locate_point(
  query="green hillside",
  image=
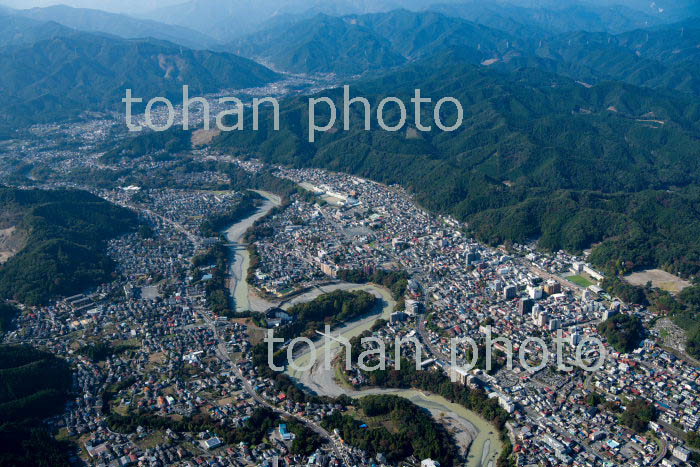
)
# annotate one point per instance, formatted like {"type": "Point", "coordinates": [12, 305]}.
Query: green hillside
{"type": "Point", "coordinates": [663, 57]}
{"type": "Point", "coordinates": [666, 57]}
{"type": "Point", "coordinates": [16, 30]}
{"type": "Point", "coordinates": [538, 156]}
{"type": "Point", "coordinates": [552, 20]}
{"type": "Point", "coordinates": [64, 252]}
{"type": "Point", "coordinates": [416, 35]}
{"type": "Point", "coordinates": [322, 44]}
{"type": "Point", "coordinates": [66, 75]}
{"type": "Point", "coordinates": [85, 19]}
{"type": "Point", "coordinates": [33, 385]}
{"type": "Point", "coordinates": [356, 44]}
{"type": "Point", "coordinates": [395, 427]}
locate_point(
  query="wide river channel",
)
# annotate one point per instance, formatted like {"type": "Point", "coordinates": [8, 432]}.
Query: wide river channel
{"type": "Point", "coordinates": [472, 433]}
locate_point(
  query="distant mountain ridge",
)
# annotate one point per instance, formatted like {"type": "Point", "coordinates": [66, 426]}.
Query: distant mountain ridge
{"type": "Point", "coordinates": [322, 44]}
{"type": "Point", "coordinates": [555, 19]}
{"type": "Point", "coordinates": [355, 44]}
{"type": "Point", "coordinates": [537, 157]}
{"type": "Point", "coordinates": [15, 30]}
{"type": "Point", "coordinates": [50, 71]}
{"type": "Point", "coordinates": [124, 26]}
{"type": "Point", "coordinates": [664, 57]}
{"type": "Point", "coordinates": [666, 10]}
{"type": "Point", "coordinates": [227, 20]}
{"type": "Point", "coordinates": [67, 74]}
{"type": "Point", "coordinates": [417, 35]}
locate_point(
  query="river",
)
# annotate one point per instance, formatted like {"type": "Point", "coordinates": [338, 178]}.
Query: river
{"type": "Point", "coordinates": [244, 298]}
{"type": "Point", "coordinates": [476, 438]}
{"type": "Point", "coordinates": [473, 433]}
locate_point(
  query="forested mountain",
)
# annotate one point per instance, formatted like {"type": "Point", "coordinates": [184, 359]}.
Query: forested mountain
{"type": "Point", "coordinates": [64, 252]}
{"type": "Point", "coordinates": [416, 35]}
{"type": "Point", "coordinates": [668, 10]}
{"type": "Point", "coordinates": [664, 10]}
{"type": "Point", "coordinates": [8, 313]}
{"type": "Point", "coordinates": [356, 44]}
{"type": "Point", "coordinates": [538, 156]}
{"type": "Point", "coordinates": [19, 30]}
{"type": "Point", "coordinates": [664, 57]}
{"type": "Point", "coordinates": [33, 385]}
{"type": "Point", "coordinates": [223, 20]}
{"type": "Point", "coordinates": [321, 44]}
{"type": "Point", "coordinates": [69, 74]}
{"type": "Point", "coordinates": [230, 19]}
{"type": "Point", "coordinates": [552, 19]}
{"type": "Point", "coordinates": [84, 19]}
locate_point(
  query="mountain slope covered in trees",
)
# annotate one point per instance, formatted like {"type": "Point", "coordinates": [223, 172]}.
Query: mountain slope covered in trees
{"type": "Point", "coordinates": [666, 57]}
{"type": "Point", "coordinates": [33, 385]}
{"type": "Point", "coordinates": [322, 44]}
{"type": "Point", "coordinates": [64, 252]}
{"type": "Point", "coordinates": [359, 43]}
{"type": "Point", "coordinates": [537, 157]}
{"type": "Point", "coordinates": [88, 20]}
{"type": "Point", "coordinates": [16, 30]}
{"type": "Point", "coordinates": [556, 18]}
{"type": "Point", "coordinates": [663, 57]}
{"type": "Point", "coordinates": [66, 75]}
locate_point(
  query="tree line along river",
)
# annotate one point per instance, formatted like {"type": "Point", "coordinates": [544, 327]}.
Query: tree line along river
{"type": "Point", "coordinates": [473, 434]}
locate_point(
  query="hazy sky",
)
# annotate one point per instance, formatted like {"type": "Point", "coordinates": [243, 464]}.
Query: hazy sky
{"type": "Point", "coordinates": [142, 6]}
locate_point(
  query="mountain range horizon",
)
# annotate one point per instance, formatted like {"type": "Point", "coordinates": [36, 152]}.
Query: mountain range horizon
{"type": "Point", "coordinates": [180, 178]}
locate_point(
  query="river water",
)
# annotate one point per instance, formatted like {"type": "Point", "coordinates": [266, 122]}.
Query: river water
{"type": "Point", "coordinates": [240, 257]}
{"type": "Point", "coordinates": [473, 433]}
